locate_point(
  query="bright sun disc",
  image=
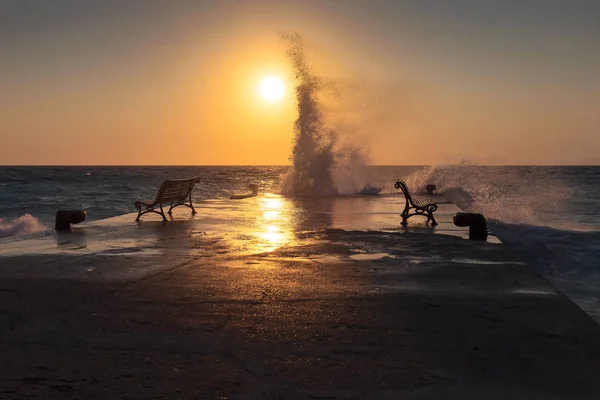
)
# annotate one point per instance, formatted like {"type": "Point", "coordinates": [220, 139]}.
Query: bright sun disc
{"type": "Point", "coordinates": [271, 88]}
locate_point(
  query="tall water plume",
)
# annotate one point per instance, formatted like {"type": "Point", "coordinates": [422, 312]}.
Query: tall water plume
{"type": "Point", "coordinates": [312, 155]}
{"type": "Point", "coordinates": [324, 162]}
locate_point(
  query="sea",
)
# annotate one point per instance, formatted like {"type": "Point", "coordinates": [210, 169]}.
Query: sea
{"type": "Point", "coordinates": [547, 215]}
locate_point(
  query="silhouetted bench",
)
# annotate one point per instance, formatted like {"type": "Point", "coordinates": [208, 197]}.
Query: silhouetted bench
{"type": "Point", "coordinates": [425, 207]}
{"type": "Point", "coordinates": [175, 191]}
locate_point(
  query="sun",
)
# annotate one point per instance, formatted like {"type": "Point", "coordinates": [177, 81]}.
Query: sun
{"type": "Point", "coordinates": [271, 88]}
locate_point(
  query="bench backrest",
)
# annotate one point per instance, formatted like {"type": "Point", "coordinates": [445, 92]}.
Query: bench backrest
{"type": "Point", "coordinates": [173, 190]}
{"type": "Point", "coordinates": [400, 184]}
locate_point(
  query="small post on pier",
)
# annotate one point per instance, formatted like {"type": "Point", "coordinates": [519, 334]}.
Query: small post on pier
{"type": "Point", "coordinates": [475, 222]}
{"type": "Point", "coordinates": [64, 219]}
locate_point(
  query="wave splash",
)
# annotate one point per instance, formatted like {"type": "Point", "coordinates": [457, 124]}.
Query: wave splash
{"type": "Point", "coordinates": [23, 225]}
{"type": "Point", "coordinates": [567, 258]}
{"type": "Point", "coordinates": [527, 209]}
{"type": "Point", "coordinates": [322, 163]}
{"type": "Point", "coordinates": [511, 195]}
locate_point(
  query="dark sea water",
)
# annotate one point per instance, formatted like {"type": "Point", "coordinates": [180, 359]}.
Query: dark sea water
{"type": "Point", "coordinates": [558, 197]}
{"type": "Point", "coordinates": [547, 215]}
{"type": "Point", "coordinates": [109, 191]}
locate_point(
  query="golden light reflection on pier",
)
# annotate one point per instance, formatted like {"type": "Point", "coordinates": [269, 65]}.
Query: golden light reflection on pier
{"type": "Point", "coordinates": [226, 228]}
{"type": "Point", "coordinates": [275, 227]}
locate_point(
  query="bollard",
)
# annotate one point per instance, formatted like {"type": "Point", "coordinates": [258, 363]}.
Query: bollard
{"type": "Point", "coordinates": [430, 189]}
{"type": "Point", "coordinates": [64, 219]}
{"type": "Point", "coordinates": [475, 222]}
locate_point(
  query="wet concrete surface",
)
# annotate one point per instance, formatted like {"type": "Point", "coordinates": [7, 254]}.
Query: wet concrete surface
{"type": "Point", "coordinates": [243, 227]}
{"type": "Point", "coordinates": [438, 317]}
{"type": "Point", "coordinates": [272, 298]}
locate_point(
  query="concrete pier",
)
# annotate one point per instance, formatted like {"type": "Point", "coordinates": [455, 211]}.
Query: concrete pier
{"type": "Point", "coordinates": [190, 311]}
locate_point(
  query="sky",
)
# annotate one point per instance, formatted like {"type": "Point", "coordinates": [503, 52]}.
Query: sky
{"type": "Point", "coordinates": [414, 82]}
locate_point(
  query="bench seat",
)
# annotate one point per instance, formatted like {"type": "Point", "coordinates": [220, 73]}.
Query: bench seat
{"type": "Point", "coordinates": [424, 206]}
{"type": "Point", "coordinates": [177, 192]}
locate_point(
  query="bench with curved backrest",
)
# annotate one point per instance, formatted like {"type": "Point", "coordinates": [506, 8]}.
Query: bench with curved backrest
{"type": "Point", "coordinates": [178, 192]}
{"type": "Point", "coordinates": [425, 207]}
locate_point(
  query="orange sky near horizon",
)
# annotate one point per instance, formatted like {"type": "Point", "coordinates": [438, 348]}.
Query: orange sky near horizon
{"type": "Point", "coordinates": [171, 84]}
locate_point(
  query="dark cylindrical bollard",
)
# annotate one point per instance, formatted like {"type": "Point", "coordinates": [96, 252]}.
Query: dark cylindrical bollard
{"type": "Point", "coordinates": [475, 222]}
{"type": "Point", "coordinates": [64, 219]}
{"type": "Point", "coordinates": [430, 189]}
{"type": "Point", "coordinates": [254, 188]}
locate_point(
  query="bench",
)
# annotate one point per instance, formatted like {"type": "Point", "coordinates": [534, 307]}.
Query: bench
{"type": "Point", "coordinates": [425, 207]}
{"type": "Point", "coordinates": [175, 191]}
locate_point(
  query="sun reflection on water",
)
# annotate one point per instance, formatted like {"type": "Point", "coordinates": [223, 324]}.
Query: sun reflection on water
{"type": "Point", "coordinates": [269, 215]}
{"type": "Point", "coordinates": [275, 228]}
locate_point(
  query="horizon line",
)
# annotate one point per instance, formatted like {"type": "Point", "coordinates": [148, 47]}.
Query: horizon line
{"type": "Point", "coordinates": [289, 165]}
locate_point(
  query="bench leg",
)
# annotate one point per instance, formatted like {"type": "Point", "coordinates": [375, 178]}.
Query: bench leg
{"type": "Point", "coordinates": [192, 205]}
{"type": "Point", "coordinates": [424, 213]}
{"type": "Point", "coordinates": [140, 213]}
{"type": "Point", "coordinates": [404, 214]}
{"type": "Point", "coordinates": [139, 208]}
{"type": "Point", "coordinates": [432, 219]}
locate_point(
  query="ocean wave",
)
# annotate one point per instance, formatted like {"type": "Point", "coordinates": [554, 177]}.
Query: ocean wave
{"type": "Point", "coordinates": [539, 215]}
{"type": "Point", "coordinates": [566, 257]}
{"type": "Point", "coordinates": [23, 225]}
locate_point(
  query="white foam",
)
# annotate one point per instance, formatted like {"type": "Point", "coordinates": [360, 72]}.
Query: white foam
{"type": "Point", "coordinates": [23, 225]}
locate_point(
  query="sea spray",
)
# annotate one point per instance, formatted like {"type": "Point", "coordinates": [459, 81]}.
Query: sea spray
{"type": "Point", "coordinates": [323, 162]}
{"type": "Point", "coordinates": [511, 195]}
{"type": "Point", "coordinates": [351, 173]}
{"type": "Point", "coordinates": [312, 154]}
{"type": "Point", "coordinates": [23, 225]}
{"type": "Point", "coordinates": [532, 211]}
